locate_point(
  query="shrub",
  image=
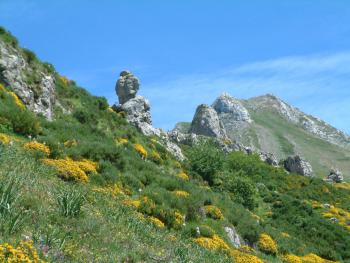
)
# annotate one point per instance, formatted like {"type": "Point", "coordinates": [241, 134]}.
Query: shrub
{"type": "Point", "coordinates": [206, 160]}
{"type": "Point", "coordinates": [267, 244]}
{"type": "Point", "coordinates": [24, 252]}
{"type": "Point", "coordinates": [158, 223]}
{"type": "Point", "coordinates": [243, 190]}
{"type": "Point", "coordinates": [141, 150]}
{"type": "Point", "coordinates": [183, 176]}
{"type": "Point", "coordinates": [37, 147]}
{"type": "Point", "coordinates": [213, 212]}
{"type": "Point", "coordinates": [70, 202]}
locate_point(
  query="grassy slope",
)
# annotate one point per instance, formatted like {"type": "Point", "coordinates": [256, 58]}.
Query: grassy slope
{"type": "Point", "coordinates": [292, 139]}
{"type": "Point", "coordinates": [106, 230]}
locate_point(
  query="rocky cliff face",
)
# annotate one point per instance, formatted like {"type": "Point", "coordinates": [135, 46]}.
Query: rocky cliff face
{"type": "Point", "coordinates": [34, 85]}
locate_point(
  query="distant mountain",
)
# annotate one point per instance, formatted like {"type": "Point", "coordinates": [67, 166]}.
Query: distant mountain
{"type": "Point", "coordinates": [268, 124]}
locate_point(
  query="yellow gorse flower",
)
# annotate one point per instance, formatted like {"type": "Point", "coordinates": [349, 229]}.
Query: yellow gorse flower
{"type": "Point", "coordinates": [36, 146]}
{"type": "Point", "coordinates": [141, 150]}
{"type": "Point", "coordinates": [25, 252]}
{"type": "Point", "coordinates": [267, 244]}
{"type": "Point", "coordinates": [4, 138]}
{"type": "Point", "coordinates": [213, 212]}
{"type": "Point", "coordinates": [73, 170]}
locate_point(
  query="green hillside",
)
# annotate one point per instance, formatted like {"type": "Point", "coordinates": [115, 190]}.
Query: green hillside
{"type": "Point", "coordinates": [88, 187]}
{"type": "Point", "coordinates": [284, 139]}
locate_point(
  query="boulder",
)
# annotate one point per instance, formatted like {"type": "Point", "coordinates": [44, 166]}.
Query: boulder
{"type": "Point", "coordinates": [234, 237]}
{"type": "Point", "coordinates": [206, 122]}
{"type": "Point", "coordinates": [335, 176]}
{"type": "Point", "coordinates": [297, 165]}
{"type": "Point", "coordinates": [127, 86]}
{"type": "Point", "coordinates": [268, 158]}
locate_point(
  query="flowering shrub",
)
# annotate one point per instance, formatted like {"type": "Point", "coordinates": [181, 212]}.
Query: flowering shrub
{"type": "Point", "coordinates": [267, 244]}
{"type": "Point", "coordinates": [73, 170]}
{"type": "Point", "coordinates": [141, 150]}
{"type": "Point", "coordinates": [213, 212]}
{"type": "Point", "coordinates": [216, 243]}
{"type": "Point", "coordinates": [37, 147]}
{"type": "Point", "coordinates": [181, 193]}
{"type": "Point", "coordinates": [64, 80]}
{"type": "Point", "coordinates": [179, 219]}
{"type": "Point", "coordinates": [155, 156]}
{"type": "Point", "coordinates": [70, 143]}
{"type": "Point", "coordinates": [17, 101]}
{"type": "Point", "coordinates": [158, 223]}
{"type": "Point", "coordinates": [5, 139]}
{"type": "Point", "coordinates": [113, 190]}
{"type": "Point", "coordinates": [132, 203]}
{"type": "Point", "coordinates": [310, 258]}
{"type": "Point", "coordinates": [25, 252]}
{"type": "Point", "coordinates": [183, 176]}
{"type": "Point", "coordinates": [122, 141]}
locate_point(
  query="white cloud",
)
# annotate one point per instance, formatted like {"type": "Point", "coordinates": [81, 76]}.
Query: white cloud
{"type": "Point", "coordinates": [317, 84]}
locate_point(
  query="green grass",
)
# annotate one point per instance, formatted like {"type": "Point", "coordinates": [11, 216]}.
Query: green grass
{"type": "Point", "coordinates": [322, 155]}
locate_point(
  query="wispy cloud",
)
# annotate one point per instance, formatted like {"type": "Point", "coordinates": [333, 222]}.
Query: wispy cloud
{"type": "Point", "coordinates": [317, 84]}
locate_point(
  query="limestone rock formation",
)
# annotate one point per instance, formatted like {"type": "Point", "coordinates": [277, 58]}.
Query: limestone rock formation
{"type": "Point", "coordinates": [127, 86]}
{"type": "Point", "coordinates": [206, 122]}
{"type": "Point", "coordinates": [335, 176]}
{"type": "Point", "coordinates": [235, 239]}
{"type": "Point", "coordinates": [34, 86]}
{"type": "Point", "coordinates": [137, 111]}
{"type": "Point", "coordinates": [297, 165]}
{"type": "Point", "coordinates": [227, 105]}
{"type": "Point", "coordinates": [268, 158]}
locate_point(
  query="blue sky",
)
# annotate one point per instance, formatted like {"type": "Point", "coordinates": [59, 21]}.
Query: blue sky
{"type": "Point", "coordinates": [188, 52]}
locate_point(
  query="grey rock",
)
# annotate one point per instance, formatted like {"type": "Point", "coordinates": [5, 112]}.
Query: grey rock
{"type": "Point", "coordinates": [137, 111]}
{"type": "Point", "coordinates": [335, 176]}
{"type": "Point", "coordinates": [127, 86]}
{"type": "Point", "coordinates": [206, 122]}
{"type": "Point", "coordinates": [268, 158]}
{"type": "Point", "coordinates": [297, 165]}
{"type": "Point", "coordinates": [326, 205]}
{"type": "Point", "coordinates": [234, 237]}
{"type": "Point", "coordinates": [225, 104]}
{"type": "Point", "coordinates": [38, 97]}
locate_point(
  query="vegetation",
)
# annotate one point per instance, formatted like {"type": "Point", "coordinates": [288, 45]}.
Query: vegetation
{"type": "Point", "coordinates": [88, 187]}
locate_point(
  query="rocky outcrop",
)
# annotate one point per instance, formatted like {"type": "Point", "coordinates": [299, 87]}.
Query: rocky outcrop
{"type": "Point", "coordinates": [268, 158]}
{"type": "Point", "coordinates": [227, 105]}
{"type": "Point", "coordinates": [234, 237]}
{"type": "Point", "coordinates": [127, 86]}
{"type": "Point", "coordinates": [35, 86]}
{"type": "Point", "coordinates": [137, 111]}
{"type": "Point", "coordinates": [206, 122]}
{"type": "Point", "coordinates": [297, 165]}
{"type": "Point", "coordinates": [335, 176]}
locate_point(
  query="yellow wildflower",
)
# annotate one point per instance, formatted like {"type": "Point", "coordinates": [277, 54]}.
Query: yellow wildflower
{"type": "Point", "coordinates": [70, 143]}
{"type": "Point", "coordinates": [183, 176]}
{"type": "Point", "coordinates": [36, 146]}
{"type": "Point", "coordinates": [158, 223]}
{"type": "Point", "coordinates": [213, 212]}
{"type": "Point", "coordinates": [181, 193]}
{"type": "Point", "coordinates": [141, 150]}
{"type": "Point", "coordinates": [4, 138]}
{"type": "Point", "coordinates": [267, 244]}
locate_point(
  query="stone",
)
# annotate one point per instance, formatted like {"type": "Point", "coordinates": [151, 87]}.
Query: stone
{"type": "Point", "coordinates": [137, 112]}
{"type": "Point", "coordinates": [225, 104]}
{"type": "Point", "coordinates": [234, 237]}
{"type": "Point", "coordinates": [38, 96]}
{"type": "Point", "coordinates": [297, 165]}
{"type": "Point", "coordinates": [335, 176]}
{"type": "Point", "coordinates": [206, 122]}
{"type": "Point", "coordinates": [268, 158]}
{"type": "Point", "coordinates": [127, 86]}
